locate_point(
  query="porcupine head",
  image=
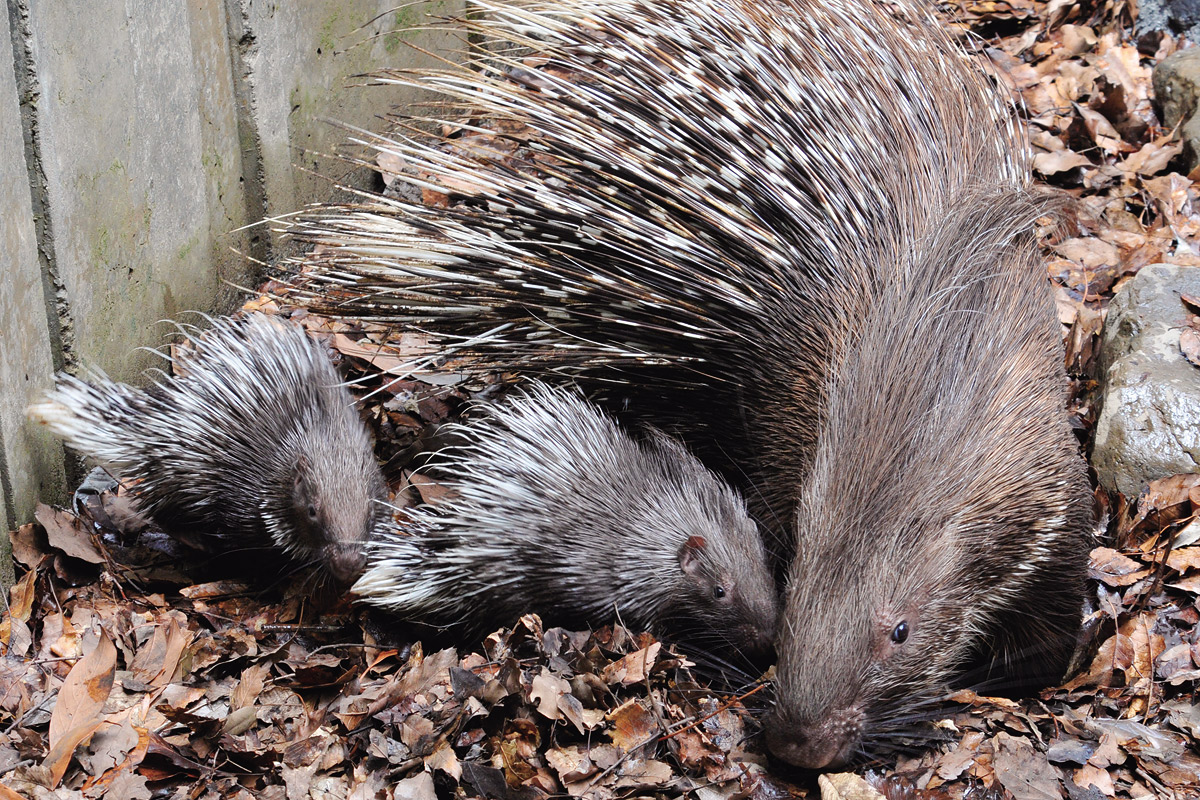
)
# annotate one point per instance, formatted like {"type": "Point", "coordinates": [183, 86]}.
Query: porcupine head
{"type": "Point", "coordinates": [255, 439]}
{"type": "Point", "coordinates": [328, 518]}
{"type": "Point", "coordinates": [724, 591]}
{"type": "Point", "coordinates": [587, 520]}
{"type": "Point", "coordinates": [941, 532]}
{"type": "Point", "coordinates": [321, 502]}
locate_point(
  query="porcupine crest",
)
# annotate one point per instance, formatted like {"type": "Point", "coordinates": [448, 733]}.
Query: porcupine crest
{"type": "Point", "coordinates": [559, 511]}
{"type": "Point", "coordinates": [714, 186]}
{"type": "Point", "coordinates": [814, 211]}
{"type": "Point", "coordinates": [256, 443]}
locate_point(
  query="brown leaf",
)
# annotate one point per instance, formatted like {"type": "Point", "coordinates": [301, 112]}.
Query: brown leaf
{"type": "Point", "coordinates": [28, 544]}
{"type": "Point", "coordinates": [417, 787]}
{"type": "Point", "coordinates": [1190, 584]}
{"type": "Point", "coordinates": [1052, 163]}
{"type": "Point", "coordinates": [214, 589]}
{"type": "Point", "coordinates": [432, 491]}
{"type": "Point", "coordinates": [633, 725]}
{"type": "Point", "coordinates": [156, 660]}
{"type": "Point", "coordinates": [1100, 130]}
{"type": "Point", "coordinates": [1189, 345]}
{"type": "Point", "coordinates": [1089, 252]}
{"type": "Point", "coordinates": [1153, 157]}
{"type": "Point", "coordinates": [633, 668]}
{"type": "Point", "coordinates": [1184, 559]}
{"type": "Point", "coordinates": [249, 686]}
{"type": "Point", "coordinates": [391, 166]}
{"type": "Point", "coordinates": [116, 749]}
{"type": "Point", "coordinates": [239, 721]}
{"type": "Point", "coordinates": [1115, 652]}
{"type": "Point", "coordinates": [953, 764]}
{"type": "Point", "coordinates": [1112, 568]}
{"type": "Point", "coordinates": [1088, 775]}
{"type": "Point", "coordinates": [444, 760]}
{"type": "Point", "coordinates": [571, 763]}
{"type": "Point", "coordinates": [643, 774]}
{"type": "Point", "coordinates": [1109, 753]}
{"type": "Point", "coordinates": [21, 597]}
{"type": "Point", "coordinates": [1024, 771]}
{"type": "Point", "coordinates": [66, 532]}
{"type": "Point", "coordinates": [85, 690]}
{"type": "Point", "coordinates": [846, 786]}
{"type": "Point", "coordinates": [80, 700]}
{"type": "Point", "coordinates": [546, 689]}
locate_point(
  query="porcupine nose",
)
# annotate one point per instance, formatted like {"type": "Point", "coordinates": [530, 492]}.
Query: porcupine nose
{"type": "Point", "coordinates": [346, 562]}
{"type": "Point", "coordinates": [758, 643]}
{"type": "Point", "coordinates": [824, 744]}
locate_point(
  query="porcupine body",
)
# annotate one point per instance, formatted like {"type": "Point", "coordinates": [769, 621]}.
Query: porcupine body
{"type": "Point", "coordinates": [256, 445]}
{"type": "Point", "coordinates": [559, 511]}
{"type": "Point", "coordinates": [815, 214]}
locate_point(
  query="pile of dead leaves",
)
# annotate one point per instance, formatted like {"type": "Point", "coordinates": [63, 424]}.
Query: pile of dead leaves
{"type": "Point", "coordinates": [211, 690]}
{"type": "Point", "coordinates": [125, 677]}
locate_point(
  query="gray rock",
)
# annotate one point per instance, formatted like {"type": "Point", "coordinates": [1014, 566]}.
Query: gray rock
{"type": "Point", "coordinates": [1176, 16]}
{"type": "Point", "coordinates": [1149, 422]}
{"type": "Point", "coordinates": [1177, 91]}
{"type": "Point", "coordinates": [1177, 94]}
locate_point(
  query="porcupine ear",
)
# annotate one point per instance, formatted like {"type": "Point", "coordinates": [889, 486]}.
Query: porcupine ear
{"type": "Point", "coordinates": [691, 554]}
{"type": "Point", "coordinates": [302, 484]}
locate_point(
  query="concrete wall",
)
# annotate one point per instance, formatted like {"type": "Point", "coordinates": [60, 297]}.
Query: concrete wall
{"type": "Point", "coordinates": [137, 140]}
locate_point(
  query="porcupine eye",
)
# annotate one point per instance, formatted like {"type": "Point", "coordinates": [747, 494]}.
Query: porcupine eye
{"type": "Point", "coordinates": [900, 633]}
{"type": "Point", "coordinates": [313, 516]}
{"type": "Point", "coordinates": [718, 592]}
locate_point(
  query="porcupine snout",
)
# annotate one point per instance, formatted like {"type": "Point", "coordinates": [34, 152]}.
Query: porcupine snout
{"type": "Point", "coordinates": [824, 743]}
{"type": "Point", "coordinates": [345, 562]}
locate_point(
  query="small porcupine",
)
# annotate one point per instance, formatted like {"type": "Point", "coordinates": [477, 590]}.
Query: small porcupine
{"type": "Point", "coordinates": [559, 511]}
{"type": "Point", "coordinates": [257, 444]}
{"type": "Point", "coordinates": [805, 224]}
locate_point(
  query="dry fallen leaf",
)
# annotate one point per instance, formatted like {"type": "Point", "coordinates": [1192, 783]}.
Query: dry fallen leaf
{"type": "Point", "coordinates": [66, 532]}
{"type": "Point", "coordinates": [80, 699]}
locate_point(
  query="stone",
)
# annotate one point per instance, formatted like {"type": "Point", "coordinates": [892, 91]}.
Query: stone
{"type": "Point", "coordinates": [1177, 92]}
{"type": "Point", "coordinates": [1180, 17]}
{"type": "Point", "coordinates": [1149, 421]}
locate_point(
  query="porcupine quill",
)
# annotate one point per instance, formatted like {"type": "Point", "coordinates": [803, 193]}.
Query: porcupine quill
{"type": "Point", "coordinates": [806, 226]}
{"type": "Point", "coordinates": [256, 445]}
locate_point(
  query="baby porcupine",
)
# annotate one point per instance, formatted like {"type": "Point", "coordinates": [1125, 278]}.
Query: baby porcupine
{"type": "Point", "coordinates": [804, 224]}
{"type": "Point", "coordinates": [257, 444]}
{"type": "Point", "coordinates": [560, 512]}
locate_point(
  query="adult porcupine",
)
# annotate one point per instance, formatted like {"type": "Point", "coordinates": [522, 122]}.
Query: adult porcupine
{"type": "Point", "coordinates": [558, 511]}
{"type": "Point", "coordinates": [813, 211]}
{"type": "Point", "coordinates": [256, 444]}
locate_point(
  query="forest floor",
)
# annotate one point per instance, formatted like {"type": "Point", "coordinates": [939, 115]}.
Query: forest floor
{"type": "Point", "coordinates": [133, 669]}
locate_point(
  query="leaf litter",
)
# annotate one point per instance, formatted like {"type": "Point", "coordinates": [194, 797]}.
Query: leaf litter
{"type": "Point", "coordinates": [131, 671]}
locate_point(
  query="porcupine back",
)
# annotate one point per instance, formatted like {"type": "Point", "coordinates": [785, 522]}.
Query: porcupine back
{"type": "Point", "coordinates": [717, 187]}
{"type": "Point", "coordinates": [254, 443]}
{"type": "Point", "coordinates": [815, 213]}
{"type": "Point", "coordinates": [559, 511]}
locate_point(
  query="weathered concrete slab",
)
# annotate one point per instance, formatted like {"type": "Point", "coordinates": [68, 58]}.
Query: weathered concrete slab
{"type": "Point", "coordinates": [137, 138]}
{"type": "Point", "coordinates": [156, 132]}
{"type": "Point", "coordinates": [31, 462]}
{"type": "Point", "coordinates": [299, 63]}
{"type": "Point", "coordinates": [1149, 421]}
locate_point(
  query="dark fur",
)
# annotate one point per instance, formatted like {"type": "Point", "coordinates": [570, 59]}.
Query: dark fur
{"type": "Point", "coordinates": [947, 493]}
{"type": "Point", "coordinates": [255, 444]}
{"type": "Point", "coordinates": [559, 511]}
{"type": "Point", "coordinates": [806, 220]}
